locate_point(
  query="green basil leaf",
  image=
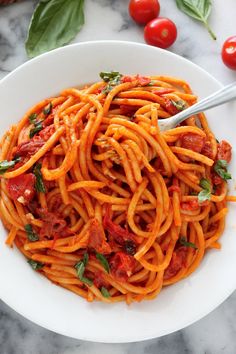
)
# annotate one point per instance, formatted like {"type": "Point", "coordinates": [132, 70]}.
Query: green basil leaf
{"type": "Point", "coordinates": [80, 268]}
{"type": "Point", "coordinates": [37, 128]}
{"type": "Point", "coordinates": [54, 24]}
{"type": "Point", "coordinates": [204, 195]}
{"type": "Point", "coordinates": [33, 117]}
{"type": "Point", "coordinates": [220, 168]}
{"type": "Point", "coordinates": [183, 241]}
{"type": "Point", "coordinates": [47, 110]}
{"type": "Point", "coordinates": [105, 292]}
{"type": "Point", "coordinates": [31, 234]}
{"type": "Point", "coordinates": [180, 105]}
{"type": "Point", "coordinates": [35, 264]}
{"type": "Point", "coordinates": [112, 78]}
{"type": "Point", "coordinates": [197, 9]}
{"type": "Point", "coordinates": [110, 75]}
{"type": "Point", "coordinates": [85, 259]}
{"type": "Point", "coordinates": [103, 261]}
{"type": "Point", "coordinates": [39, 185]}
{"type": "Point", "coordinates": [5, 165]}
{"type": "Point", "coordinates": [205, 184]}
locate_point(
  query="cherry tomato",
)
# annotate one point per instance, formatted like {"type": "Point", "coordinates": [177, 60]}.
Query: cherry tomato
{"type": "Point", "coordinates": [228, 52]}
{"type": "Point", "coordinates": [22, 188]}
{"type": "Point", "coordinates": [143, 11]}
{"type": "Point", "coordinates": [224, 151]}
{"type": "Point", "coordinates": [160, 32]}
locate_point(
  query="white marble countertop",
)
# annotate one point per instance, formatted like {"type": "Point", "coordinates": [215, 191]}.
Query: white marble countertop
{"type": "Point", "coordinates": [108, 19]}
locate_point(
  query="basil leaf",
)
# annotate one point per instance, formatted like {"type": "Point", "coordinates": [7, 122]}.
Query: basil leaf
{"type": "Point", "coordinates": [105, 292]}
{"type": "Point", "coordinates": [5, 165]}
{"type": "Point", "coordinates": [220, 168]}
{"type": "Point", "coordinates": [35, 264]}
{"type": "Point", "coordinates": [54, 24]}
{"type": "Point", "coordinates": [39, 185]}
{"type": "Point", "coordinates": [205, 194]}
{"type": "Point", "coordinates": [103, 261]}
{"type": "Point", "coordinates": [180, 105]}
{"type": "Point", "coordinates": [185, 243]}
{"type": "Point", "coordinates": [80, 268]}
{"type": "Point", "coordinates": [85, 259]}
{"type": "Point", "coordinates": [112, 78]}
{"type": "Point", "coordinates": [48, 109]}
{"type": "Point", "coordinates": [197, 9]}
{"type": "Point", "coordinates": [31, 235]}
{"type": "Point", "coordinates": [110, 75]}
{"type": "Point", "coordinates": [205, 184]}
{"type": "Point", "coordinates": [37, 128]}
{"type": "Point", "coordinates": [33, 117]}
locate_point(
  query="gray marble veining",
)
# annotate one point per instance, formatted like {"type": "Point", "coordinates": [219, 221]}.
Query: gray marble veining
{"type": "Point", "coordinates": [109, 19]}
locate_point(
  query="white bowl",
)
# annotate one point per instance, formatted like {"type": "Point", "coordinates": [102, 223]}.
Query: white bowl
{"type": "Point", "coordinates": [57, 309]}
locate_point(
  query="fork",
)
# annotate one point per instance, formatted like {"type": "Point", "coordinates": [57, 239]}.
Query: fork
{"type": "Point", "coordinates": [226, 94]}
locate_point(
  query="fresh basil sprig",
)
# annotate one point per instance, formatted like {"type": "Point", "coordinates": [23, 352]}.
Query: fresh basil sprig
{"type": "Point", "coordinates": [103, 261]}
{"type": "Point", "coordinates": [31, 234]}
{"type": "Point", "coordinates": [205, 194]}
{"type": "Point", "coordinates": [197, 9]}
{"type": "Point", "coordinates": [35, 264]}
{"type": "Point", "coordinates": [80, 268]}
{"type": "Point", "coordinates": [183, 241]}
{"type": "Point", "coordinates": [54, 24]}
{"type": "Point", "coordinates": [112, 78]}
{"type": "Point", "coordinates": [220, 168]}
{"type": "Point", "coordinates": [39, 185]}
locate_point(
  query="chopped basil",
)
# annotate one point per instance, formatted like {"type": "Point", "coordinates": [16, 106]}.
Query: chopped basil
{"type": "Point", "coordinates": [112, 78]}
{"type": "Point", "coordinates": [80, 268]}
{"type": "Point", "coordinates": [37, 128]}
{"type": "Point", "coordinates": [35, 264]}
{"type": "Point", "coordinates": [47, 110]}
{"type": "Point", "coordinates": [85, 259]}
{"type": "Point", "coordinates": [220, 168]}
{"type": "Point", "coordinates": [5, 165]}
{"type": "Point", "coordinates": [180, 105]}
{"type": "Point", "coordinates": [103, 261]}
{"type": "Point", "coordinates": [205, 194]}
{"type": "Point", "coordinates": [205, 184]}
{"type": "Point", "coordinates": [105, 292]}
{"type": "Point", "coordinates": [33, 117]}
{"type": "Point", "coordinates": [31, 234]}
{"type": "Point", "coordinates": [185, 243]}
{"type": "Point", "coordinates": [39, 185]}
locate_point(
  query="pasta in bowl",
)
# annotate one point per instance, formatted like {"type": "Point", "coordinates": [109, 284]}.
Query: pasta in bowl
{"type": "Point", "coordinates": [104, 204]}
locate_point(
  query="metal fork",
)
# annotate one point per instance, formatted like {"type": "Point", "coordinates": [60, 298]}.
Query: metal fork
{"type": "Point", "coordinates": [226, 94]}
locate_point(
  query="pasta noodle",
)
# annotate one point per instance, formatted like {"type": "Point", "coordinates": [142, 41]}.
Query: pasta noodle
{"type": "Point", "coordinates": [104, 204]}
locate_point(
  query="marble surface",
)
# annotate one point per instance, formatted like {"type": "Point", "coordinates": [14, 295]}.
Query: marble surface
{"type": "Point", "coordinates": [109, 19]}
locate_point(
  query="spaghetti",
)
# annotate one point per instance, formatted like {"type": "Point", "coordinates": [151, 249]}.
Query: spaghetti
{"type": "Point", "coordinates": [104, 204]}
